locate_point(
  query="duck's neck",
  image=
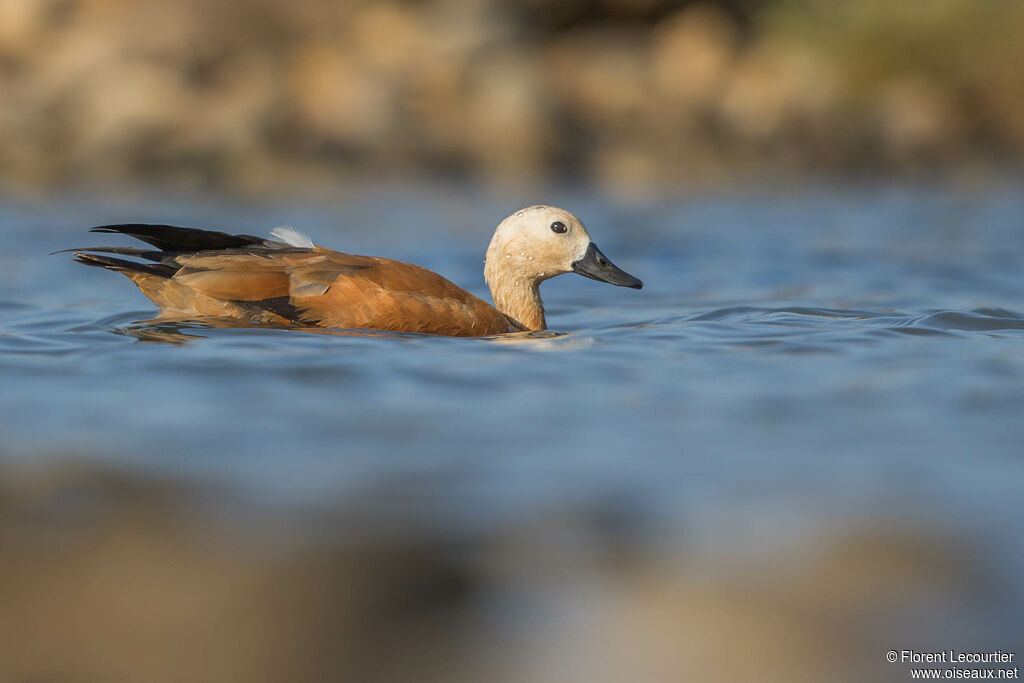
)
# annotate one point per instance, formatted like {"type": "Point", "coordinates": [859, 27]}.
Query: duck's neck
{"type": "Point", "coordinates": [517, 297]}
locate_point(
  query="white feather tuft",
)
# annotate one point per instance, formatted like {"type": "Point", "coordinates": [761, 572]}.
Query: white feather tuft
{"type": "Point", "coordinates": [290, 235]}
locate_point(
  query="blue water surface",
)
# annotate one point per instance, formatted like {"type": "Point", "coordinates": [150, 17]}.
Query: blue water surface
{"type": "Point", "coordinates": [796, 358]}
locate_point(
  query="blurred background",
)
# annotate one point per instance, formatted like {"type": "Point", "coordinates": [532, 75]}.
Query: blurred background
{"type": "Point", "coordinates": [797, 448]}
{"type": "Point", "coordinates": [258, 95]}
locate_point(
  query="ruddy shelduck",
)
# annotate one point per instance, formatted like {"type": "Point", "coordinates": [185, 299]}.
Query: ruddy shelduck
{"type": "Point", "coordinates": [194, 274]}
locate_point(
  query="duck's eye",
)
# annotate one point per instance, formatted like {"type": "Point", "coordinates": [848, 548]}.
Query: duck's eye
{"type": "Point", "coordinates": [559, 227]}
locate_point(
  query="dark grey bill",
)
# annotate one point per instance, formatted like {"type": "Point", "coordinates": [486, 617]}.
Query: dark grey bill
{"type": "Point", "coordinates": [596, 265]}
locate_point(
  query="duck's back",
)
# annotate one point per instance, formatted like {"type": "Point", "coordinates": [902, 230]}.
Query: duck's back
{"type": "Point", "coordinates": [250, 279]}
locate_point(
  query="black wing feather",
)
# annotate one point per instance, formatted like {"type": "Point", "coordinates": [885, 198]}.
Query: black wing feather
{"type": "Point", "coordinates": [148, 254]}
{"type": "Point", "coordinates": [174, 238]}
{"type": "Point", "coordinates": [122, 264]}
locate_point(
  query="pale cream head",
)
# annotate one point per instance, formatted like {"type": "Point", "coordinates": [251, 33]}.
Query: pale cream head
{"type": "Point", "coordinates": [527, 248]}
{"type": "Point", "coordinates": [537, 243]}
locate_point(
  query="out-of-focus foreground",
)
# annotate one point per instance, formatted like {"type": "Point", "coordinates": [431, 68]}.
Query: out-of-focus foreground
{"type": "Point", "coordinates": [252, 94]}
{"type": "Point", "coordinates": [117, 578]}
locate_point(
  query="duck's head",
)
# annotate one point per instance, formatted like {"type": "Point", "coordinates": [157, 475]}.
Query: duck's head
{"type": "Point", "coordinates": [540, 242]}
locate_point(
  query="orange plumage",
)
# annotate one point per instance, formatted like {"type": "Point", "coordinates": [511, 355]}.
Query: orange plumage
{"type": "Point", "coordinates": [195, 274]}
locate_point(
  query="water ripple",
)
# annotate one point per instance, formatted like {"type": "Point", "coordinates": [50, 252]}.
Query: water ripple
{"type": "Point", "coordinates": [838, 363]}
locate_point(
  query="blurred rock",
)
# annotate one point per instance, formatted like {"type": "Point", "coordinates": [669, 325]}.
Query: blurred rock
{"type": "Point", "coordinates": [258, 94]}
{"type": "Point", "coordinates": [22, 24]}
{"type": "Point", "coordinates": [108, 577]}
{"type": "Point", "coordinates": [336, 98]}
{"type": "Point", "coordinates": [806, 618]}
{"type": "Point", "coordinates": [916, 119]}
{"type": "Point", "coordinates": [774, 91]}
{"type": "Point", "coordinates": [125, 104]}
{"type": "Point", "coordinates": [692, 53]}
{"type": "Point", "coordinates": [600, 76]}
{"type": "Point", "coordinates": [388, 38]}
{"type": "Point", "coordinates": [508, 131]}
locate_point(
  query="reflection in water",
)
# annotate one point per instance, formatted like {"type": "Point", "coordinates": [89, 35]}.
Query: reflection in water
{"type": "Point", "coordinates": [166, 332]}
{"type": "Point", "coordinates": [180, 331]}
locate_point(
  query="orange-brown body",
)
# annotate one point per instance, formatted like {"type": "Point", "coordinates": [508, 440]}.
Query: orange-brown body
{"type": "Point", "coordinates": [326, 288]}
{"type": "Point", "coordinates": [195, 274]}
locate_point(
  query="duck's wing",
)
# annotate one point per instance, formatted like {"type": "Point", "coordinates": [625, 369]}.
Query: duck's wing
{"type": "Point", "coordinates": [344, 290]}
{"type": "Point", "coordinates": [327, 288]}
{"type": "Point", "coordinates": [215, 274]}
